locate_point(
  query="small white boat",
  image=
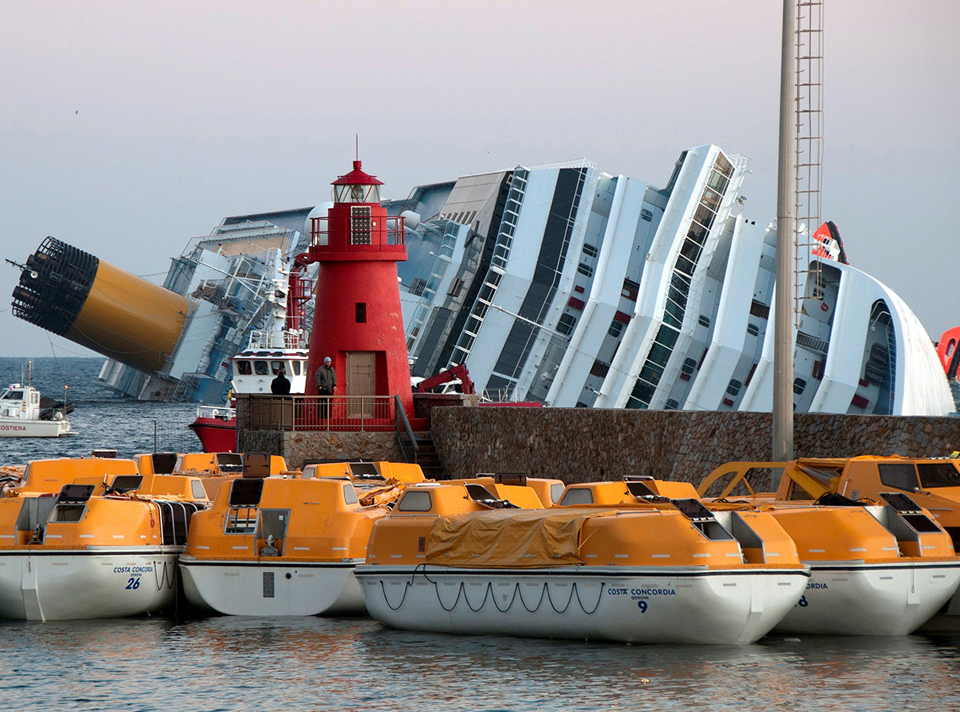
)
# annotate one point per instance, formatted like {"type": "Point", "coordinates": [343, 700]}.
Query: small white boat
{"type": "Point", "coordinates": [21, 415]}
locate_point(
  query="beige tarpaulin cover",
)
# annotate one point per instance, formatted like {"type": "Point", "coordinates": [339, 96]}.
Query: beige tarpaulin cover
{"type": "Point", "coordinates": [509, 538]}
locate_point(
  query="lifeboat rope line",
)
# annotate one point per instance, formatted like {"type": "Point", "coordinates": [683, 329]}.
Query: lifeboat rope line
{"type": "Point", "coordinates": [170, 580]}
{"type": "Point", "coordinates": [488, 593]}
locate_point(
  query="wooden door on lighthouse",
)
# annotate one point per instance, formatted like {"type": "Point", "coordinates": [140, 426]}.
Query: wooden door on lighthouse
{"type": "Point", "coordinates": [361, 381]}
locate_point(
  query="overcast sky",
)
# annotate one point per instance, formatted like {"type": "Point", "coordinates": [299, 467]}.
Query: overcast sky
{"type": "Point", "coordinates": [127, 128]}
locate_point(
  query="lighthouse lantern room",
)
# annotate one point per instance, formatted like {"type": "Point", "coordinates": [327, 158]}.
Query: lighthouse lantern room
{"type": "Point", "coordinates": [357, 318]}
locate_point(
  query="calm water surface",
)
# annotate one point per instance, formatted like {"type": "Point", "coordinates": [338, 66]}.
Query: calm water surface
{"type": "Point", "coordinates": [225, 663]}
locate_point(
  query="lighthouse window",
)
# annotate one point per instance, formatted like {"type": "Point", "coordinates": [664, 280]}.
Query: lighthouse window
{"type": "Point", "coordinates": [360, 225]}
{"type": "Point", "coordinates": [361, 312]}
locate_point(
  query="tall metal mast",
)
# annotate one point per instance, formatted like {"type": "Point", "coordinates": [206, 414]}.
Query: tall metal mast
{"type": "Point", "coordinates": [786, 197]}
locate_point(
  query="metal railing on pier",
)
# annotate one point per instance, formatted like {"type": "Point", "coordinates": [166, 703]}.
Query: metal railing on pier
{"type": "Point", "coordinates": [304, 413]}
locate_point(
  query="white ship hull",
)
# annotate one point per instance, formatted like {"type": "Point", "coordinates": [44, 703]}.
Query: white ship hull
{"type": "Point", "coordinates": [73, 585]}
{"type": "Point", "coordinates": [635, 606]}
{"type": "Point", "coordinates": [871, 600]}
{"type": "Point", "coordinates": [274, 589]}
{"type": "Point", "coordinates": [17, 428]}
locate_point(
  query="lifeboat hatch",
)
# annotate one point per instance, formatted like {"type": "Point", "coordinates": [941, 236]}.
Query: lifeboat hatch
{"type": "Point", "coordinates": [365, 471]}
{"type": "Point", "coordinates": [905, 519]}
{"type": "Point", "coordinates": [637, 488]}
{"type": "Point", "coordinates": [246, 493]}
{"type": "Point", "coordinates": [272, 531]}
{"type": "Point", "coordinates": [163, 463]}
{"type": "Point", "coordinates": [71, 503]}
{"type": "Point", "coordinates": [481, 495]}
{"type": "Point", "coordinates": [702, 519]}
{"type": "Point", "coordinates": [33, 515]}
{"type": "Point", "coordinates": [244, 498]}
{"type": "Point", "coordinates": [230, 462]}
{"type": "Point", "coordinates": [124, 483]}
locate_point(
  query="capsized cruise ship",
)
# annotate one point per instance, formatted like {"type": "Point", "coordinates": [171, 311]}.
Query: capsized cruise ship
{"type": "Point", "coordinates": [575, 288]}
{"type": "Point", "coordinates": [558, 284]}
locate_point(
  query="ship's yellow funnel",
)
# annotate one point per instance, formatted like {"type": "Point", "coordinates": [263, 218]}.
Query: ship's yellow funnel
{"type": "Point", "coordinates": [94, 304]}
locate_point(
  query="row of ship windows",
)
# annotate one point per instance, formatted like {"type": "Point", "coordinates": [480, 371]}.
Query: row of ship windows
{"type": "Point", "coordinates": [265, 368]}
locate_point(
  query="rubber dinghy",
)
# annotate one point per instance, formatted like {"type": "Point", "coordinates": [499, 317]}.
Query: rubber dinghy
{"type": "Point", "coordinates": [461, 558]}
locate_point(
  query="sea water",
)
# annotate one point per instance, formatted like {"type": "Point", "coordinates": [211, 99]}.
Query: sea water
{"type": "Point", "coordinates": [233, 663]}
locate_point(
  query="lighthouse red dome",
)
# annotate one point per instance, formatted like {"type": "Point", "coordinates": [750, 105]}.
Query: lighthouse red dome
{"type": "Point", "coordinates": [357, 177]}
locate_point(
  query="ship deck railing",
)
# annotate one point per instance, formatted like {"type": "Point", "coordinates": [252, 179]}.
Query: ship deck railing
{"type": "Point", "coordinates": [313, 413]}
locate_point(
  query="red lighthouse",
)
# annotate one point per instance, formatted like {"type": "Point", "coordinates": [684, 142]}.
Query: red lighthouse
{"type": "Point", "coordinates": [357, 320]}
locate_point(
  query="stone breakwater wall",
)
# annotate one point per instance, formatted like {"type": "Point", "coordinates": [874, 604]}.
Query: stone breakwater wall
{"type": "Point", "coordinates": [300, 448]}
{"type": "Point", "coordinates": [582, 445]}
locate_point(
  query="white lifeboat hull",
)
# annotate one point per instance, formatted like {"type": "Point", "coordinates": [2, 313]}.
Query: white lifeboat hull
{"type": "Point", "coordinates": [690, 605]}
{"type": "Point", "coordinates": [871, 599]}
{"type": "Point", "coordinates": [273, 589]}
{"type": "Point", "coordinates": [17, 428]}
{"type": "Point", "coordinates": [72, 585]}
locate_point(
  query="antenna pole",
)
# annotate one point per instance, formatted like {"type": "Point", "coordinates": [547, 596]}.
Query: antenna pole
{"type": "Point", "coordinates": [786, 177]}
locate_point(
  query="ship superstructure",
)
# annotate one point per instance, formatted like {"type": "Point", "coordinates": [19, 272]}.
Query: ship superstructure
{"type": "Point", "coordinates": [567, 286]}
{"type": "Point", "coordinates": [558, 284]}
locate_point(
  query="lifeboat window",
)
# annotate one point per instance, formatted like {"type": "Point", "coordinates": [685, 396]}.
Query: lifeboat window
{"type": "Point", "coordinates": [899, 475]}
{"type": "Point", "coordinates": [950, 347]}
{"type": "Point", "coordinates": [413, 501]}
{"type": "Point", "coordinates": [198, 491]}
{"type": "Point", "coordinates": [67, 513]}
{"type": "Point", "coordinates": [556, 490]}
{"type": "Point", "coordinates": [296, 368]}
{"type": "Point", "coordinates": [938, 474]}
{"type": "Point", "coordinates": [244, 368]}
{"type": "Point", "coordinates": [262, 368]}
{"type": "Point", "coordinates": [350, 494]}
{"type": "Point", "coordinates": [577, 495]}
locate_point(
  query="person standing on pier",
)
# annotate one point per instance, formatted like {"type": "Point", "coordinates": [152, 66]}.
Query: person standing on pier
{"type": "Point", "coordinates": [326, 379]}
{"type": "Point", "coordinates": [280, 386]}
